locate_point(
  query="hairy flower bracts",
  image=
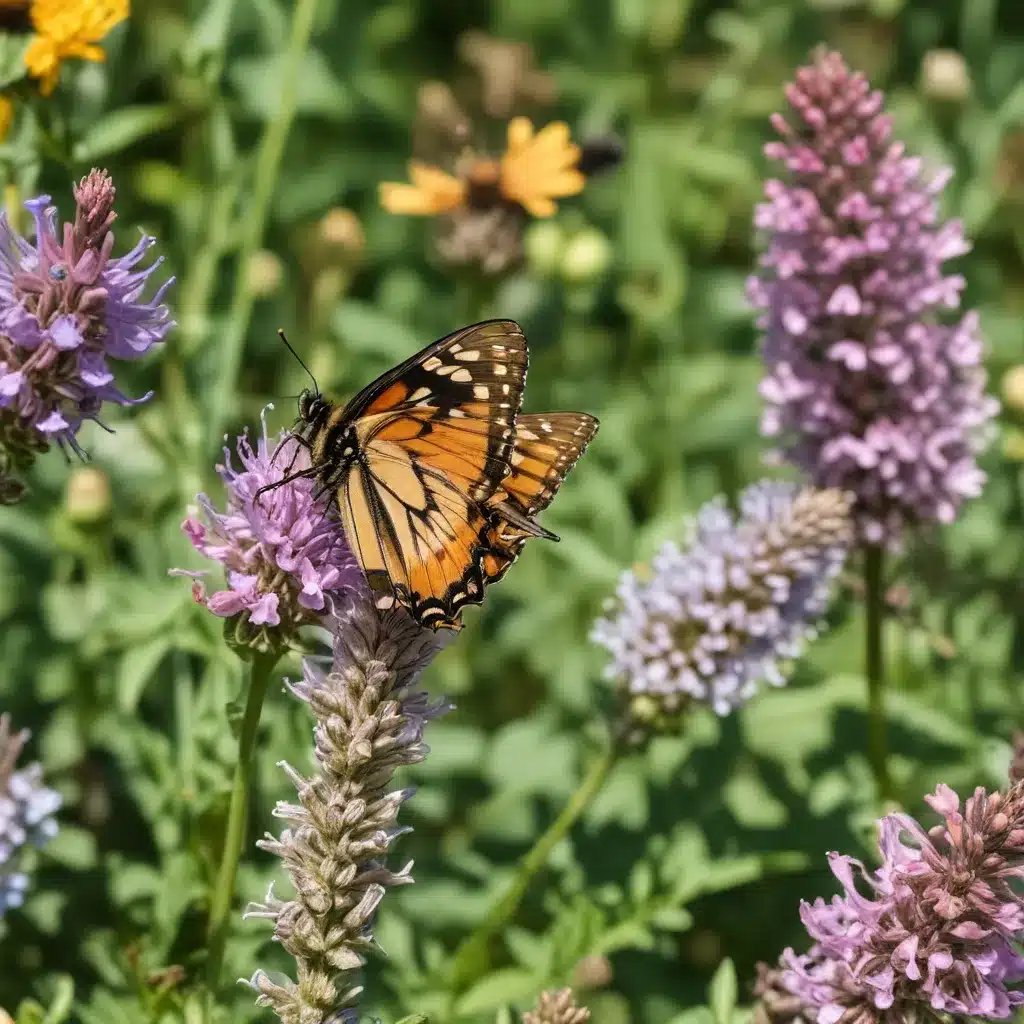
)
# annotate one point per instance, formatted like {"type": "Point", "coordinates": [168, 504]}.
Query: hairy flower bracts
{"type": "Point", "coordinates": [286, 558]}
{"type": "Point", "coordinates": [369, 723]}
{"type": "Point", "coordinates": [66, 308]}
{"type": "Point", "coordinates": [869, 386]}
{"type": "Point", "coordinates": [932, 931]}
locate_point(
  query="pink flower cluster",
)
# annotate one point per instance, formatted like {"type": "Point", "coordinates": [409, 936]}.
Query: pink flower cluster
{"type": "Point", "coordinates": [868, 386]}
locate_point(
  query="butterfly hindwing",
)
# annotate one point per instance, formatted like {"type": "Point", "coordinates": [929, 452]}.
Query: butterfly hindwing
{"type": "Point", "coordinates": [547, 446]}
{"type": "Point", "coordinates": [418, 454]}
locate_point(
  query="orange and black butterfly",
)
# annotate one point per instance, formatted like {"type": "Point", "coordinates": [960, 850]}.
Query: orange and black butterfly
{"type": "Point", "coordinates": [412, 461]}
{"type": "Point", "coordinates": [547, 446]}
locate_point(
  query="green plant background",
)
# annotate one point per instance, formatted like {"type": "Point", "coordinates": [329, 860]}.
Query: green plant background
{"type": "Point", "coordinates": [699, 849]}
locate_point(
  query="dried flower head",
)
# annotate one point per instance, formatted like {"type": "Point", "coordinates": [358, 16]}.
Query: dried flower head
{"type": "Point", "coordinates": [66, 307]}
{"type": "Point", "coordinates": [66, 29]}
{"type": "Point", "coordinates": [775, 1003]}
{"type": "Point", "coordinates": [288, 563]}
{"type": "Point", "coordinates": [557, 1007]}
{"type": "Point", "coordinates": [369, 722]}
{"type": "Point", "coordinates": [715, 619]}
{"type": "Point", "coordinates": [867, 387]}
{"type": "Point", "coordinates": [932, 931]}
{"type": "Point", "coordinates": [26, 814]}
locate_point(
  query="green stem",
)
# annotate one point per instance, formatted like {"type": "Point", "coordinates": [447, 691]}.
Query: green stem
{"type": "Point", "coordinates": [268, 163]}
{"type": "Point", "coordinates": [874, 599]}
{"type": "Point", "coordinates": [234, 835]}
{"type": "Point", "coordinates": [471, 958]}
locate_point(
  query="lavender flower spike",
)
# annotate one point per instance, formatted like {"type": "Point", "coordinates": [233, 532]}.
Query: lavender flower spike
{"type": "Point", "coordinates": [287, 560]}
{"type": "Point", "coordinates": [66, 307]}
{"type": "Point", "coordinates": [719, 617]}
{"type": "Point", "coordinates": [869, 386]}
{"type": "Point", "coordinates": [26, 814]}
{"type": "Point", "coordinates": [369, 722]}
{"type": "Point", "coordinates": [932, 931]}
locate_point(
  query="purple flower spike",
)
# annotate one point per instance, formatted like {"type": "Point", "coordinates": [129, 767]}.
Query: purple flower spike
{"type": "Point", "coordinates": [710, 622]}
{"type": "Point", "coordinates": [27, 809]}
{"type": "Point", "coordinates": [868, 388]}
{"type": "Point", "coordinates": [66, 306]}
{"type": "Point", "coordinates": [932, 931]}
{"type": "Point", "coordinates": [287, 560]}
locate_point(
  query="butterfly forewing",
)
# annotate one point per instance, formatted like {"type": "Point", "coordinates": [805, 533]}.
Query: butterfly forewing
{"type": "Point", "coordinates": [422, 450]}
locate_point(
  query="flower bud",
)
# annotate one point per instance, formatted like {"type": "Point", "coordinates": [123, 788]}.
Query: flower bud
{"type": "Point", "coordinates": [544, 243]}
{"type": "Point", "coordinates": [586, 257]}
{"type": "Point", "coordinates": [87, 497]}
{"type": "Point", "coordinates": [1013, 388]}
{"type": "Point", "coordinates": [945, 76]}
{"type": "Point", "coordinates": [265, 272]}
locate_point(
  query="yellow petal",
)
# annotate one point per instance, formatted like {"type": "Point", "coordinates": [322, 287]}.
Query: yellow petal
{"type": "Point", "coordinates": [520, 133]}
{"type": "Point", "coordinates": [432, 192]}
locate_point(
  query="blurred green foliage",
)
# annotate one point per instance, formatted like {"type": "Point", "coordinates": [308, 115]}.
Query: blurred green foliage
{"type": "Point", "coordinates": [697, 849]}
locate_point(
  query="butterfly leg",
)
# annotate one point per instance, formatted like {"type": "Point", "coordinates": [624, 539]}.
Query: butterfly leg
{"type": "Point", "coordinates": [301, 474]}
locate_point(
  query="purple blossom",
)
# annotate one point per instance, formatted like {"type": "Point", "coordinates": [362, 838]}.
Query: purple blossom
{"type": "Point", "coordinates": [712, 621]}
{"type": "Point", "coordinates": [286, 557]}
{"type": "Point", "coordinates": [27, 808]}
{"type": "Point", "coordinates": [66, 308]}
{"type": "Point", "coordinates": [868, 387]}
{"type": "Point", "coordinates": [933, 927]}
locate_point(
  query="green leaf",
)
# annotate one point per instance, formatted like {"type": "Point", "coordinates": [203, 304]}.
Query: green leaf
{"type": "Point", "coordinates": [138, 665]}
{"type": "Point", "coordinates": [12, 57]}
{"type": "Point", "coordinates": [123, 128]}
{"type": "Point", "coordinates": [722, 992]}
{"type": "Point", "coordinates": [509, 985]}
{"type": "Point", "coordinates": [413, 1018]}
{"type": "Point", "coordinates": [73, 847]}
{"type": "Point", "coordinates": [60, 1005]}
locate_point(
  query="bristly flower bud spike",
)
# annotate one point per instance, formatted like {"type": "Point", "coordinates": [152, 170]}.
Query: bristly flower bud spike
{"type": "Point", "coordinates": [732, 608]}
{"type": "Point", "coordinates": [557, 1006]}
{"type": "Point", "coordinates": [369, 723]}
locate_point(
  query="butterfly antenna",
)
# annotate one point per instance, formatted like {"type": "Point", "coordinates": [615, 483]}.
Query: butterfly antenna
{"type": "Point", "coordinates": [287, 345]}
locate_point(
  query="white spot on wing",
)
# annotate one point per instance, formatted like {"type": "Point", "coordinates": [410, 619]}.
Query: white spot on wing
{"type": "Point", "coordinates": [432, 363]}
{"type": "Point", "coordinates": [469, 356]}
{"type": "Point", "coordinates": [462, 375]}
{"type": "Point", "coordinates": [482, 392]}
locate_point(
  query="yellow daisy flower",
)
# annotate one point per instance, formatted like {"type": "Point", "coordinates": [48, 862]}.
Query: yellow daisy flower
{"type": "Point", "coordinates": [66, 29]}
{"type": "Point", "coordinates": [538, 168]}
{"type": "Point", "coordinates": [535, 169]}
{"type": "Point", "coordinates": [6, 118]}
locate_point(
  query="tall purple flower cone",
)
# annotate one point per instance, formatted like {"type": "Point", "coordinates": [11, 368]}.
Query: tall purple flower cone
{"type": "Point", "coordinates": [870, 386]}
{"type": "Point", "coordinates": [66, 308]}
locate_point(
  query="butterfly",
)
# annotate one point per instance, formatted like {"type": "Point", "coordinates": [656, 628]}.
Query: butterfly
{"type": "Point", "coordinates": [412, 461]}
{"type": "Point", "coordinates": [547, 446]}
